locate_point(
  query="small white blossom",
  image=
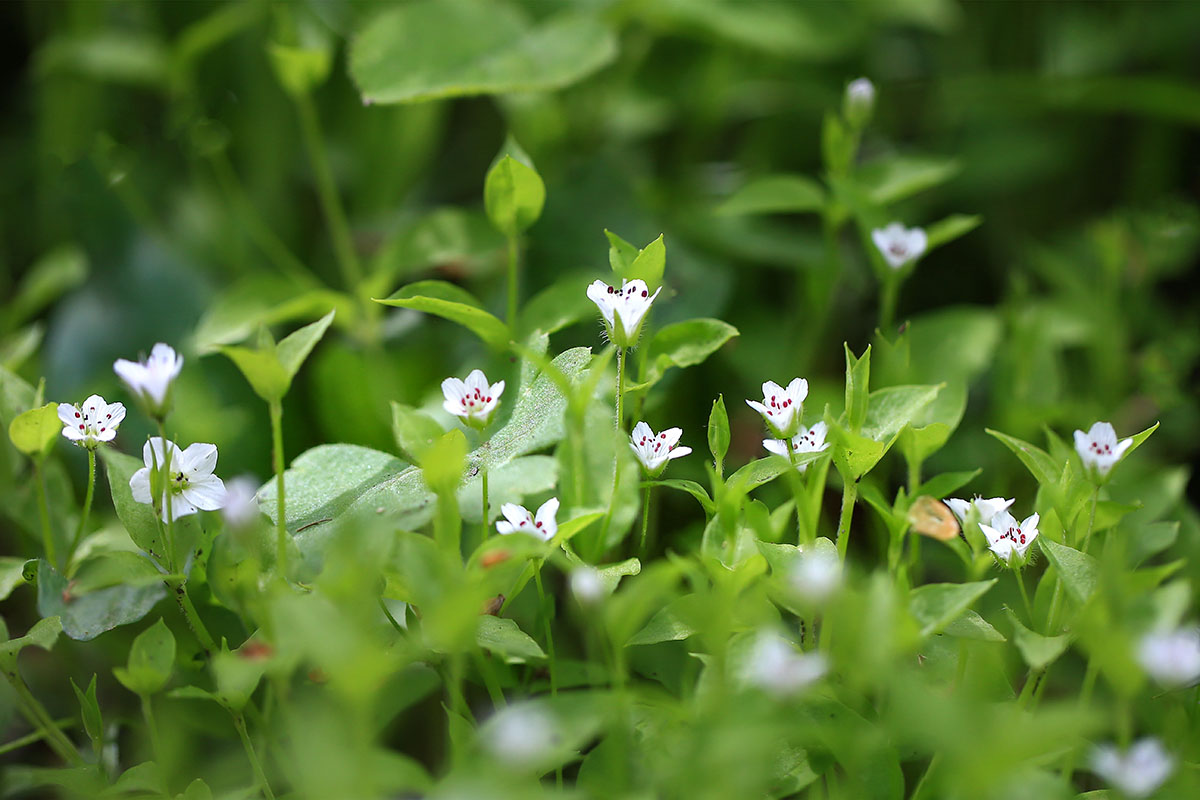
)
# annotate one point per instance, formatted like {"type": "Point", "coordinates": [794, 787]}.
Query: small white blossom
{"type": "Point", "coordinates": [899, 245]}
{"type": "Point", "coordinates": [623, 309]}
{"type": "Point", "coordinates": [1008, 539]}
{"type": "Point", "coordinates": [781, 408]}
{"type": "Point", "coordinates": [151, 380]}
{"type": "Point", "coordinates": [521, 736]}
{"type": "Point", "coordinates": [1139, 771]}
{"type": "Point", "coordinates": [808, 440]}
{"type": "Point", "coordinates": [986, 507]}
{"type": "Point", "coordinates": [775, 666]}
{"type": "Point", "coordinates": [517, 518]}
{"type": "Point", "coordinates": [190, 483]}
{"type": "Point", "coordinates": [859, 101]}
{"type": "Point", "coordinates": [241, 507]}
{"type": "Point", "coordinates": [1171, 657]}
{"type": "Point", "coordinates": [654, 451]}
{"type": "Point", "coordinates": [815, 576]}
{"type": "Point", "coordinates": [586, 585]}
{"type": "Point", "coordinates": [1099, 448]}
{"type": "Point", "coordinates": [95, 422]}
{"type": "Point", "coordinates": [473, 400]}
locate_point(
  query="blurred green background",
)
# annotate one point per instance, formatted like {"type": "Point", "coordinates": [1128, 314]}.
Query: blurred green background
{"type": "Point", "coordinates": [154, 142]}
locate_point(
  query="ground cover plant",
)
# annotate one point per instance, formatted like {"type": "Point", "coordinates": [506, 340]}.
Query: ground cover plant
{"type": "Point", "coordinates": [482, 399]}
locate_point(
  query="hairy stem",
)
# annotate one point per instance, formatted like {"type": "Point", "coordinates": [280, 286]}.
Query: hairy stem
{"type": "Point", "coordinates": [483, 480]}
{"type": "Point", "coordinates": [849, 495]}
{"type": "Point", "coordinates": [239, 722]}
{"type": "Point", "coordinates": [645, 522]}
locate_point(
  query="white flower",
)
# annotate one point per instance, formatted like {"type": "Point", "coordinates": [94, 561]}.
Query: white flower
{"type": "Point", "coordinates": [808, 440]}
{"type": "Point", "coordinates": [899, 245]}
{"type": "Point", "coordinates": [96, 422]}
{"type": "Point", "coordinates": [654, 451]}
{"type": "Point", "coordinates": [1010, 539]}
{"type": "Point", "coordinates": [815, 575]}
{"type": "Point", "coordinates": [859, 101]}
{"type": "Point", "coordinates": [151, 380]}
{"type": "Point", "coordinates": [1138, 772]}
{"type": "Point", "coordinates": [473, 400]}
{"type": "Point", "coordinates": [521, 736]}
{"type": "Point", "coordinates": [241, 507]}
{"type": "Point", "coordinates": [623, 309]}
{"type": "Point", "coordinates": [781, 407]}
{"type": "Point", "coordinates": [586, 585]}
{"type": "Point", "coordinates": [518, 518]}
{"type": "Point", "coordinates": [190, 484]}
{"type": "Point", "coordinates": [1099, 448]}
{"type": "Point", "coordinates": [1171, 657]}
{"type": "Point", "coordinates": [987, 508]}
{"type": "Point", "coordinates": [775, 666]}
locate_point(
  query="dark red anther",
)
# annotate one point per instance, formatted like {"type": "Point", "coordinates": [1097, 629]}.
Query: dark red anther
{"type": "Point", "coordinates": [76, 415]}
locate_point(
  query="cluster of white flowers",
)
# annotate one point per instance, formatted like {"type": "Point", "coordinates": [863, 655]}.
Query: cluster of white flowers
{"type": "Point", "coordinates": [807, 440]}
{"type": "Point", "coordinates": [781, 408]}
{"type": "Point", "coordinates": [1008, 539]}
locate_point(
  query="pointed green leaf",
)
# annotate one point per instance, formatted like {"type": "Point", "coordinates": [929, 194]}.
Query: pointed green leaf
{"type": "Point", "coordinates": [775, 194]}
{"type": "Point", "coordinates": [972, 626]}
{"type": "Point", "coordinates": [936, 605]}
{"type": "Point", "coordinates": [89, 710]}
{"type": "Point", "coordinates": [513, 195]}
{"type": "Point", "coordinates": [415, 431]}
{"type": "Point", "coordinates": [952, 227]}
{"type": "Point", "coordinates": [296, 346]}
{"type": "Point", "coordinates": [683, 344]}
{"type": "Point", "coordinates": [35, 431]}
{"type": "Point", "coordinates": [718, 432]}
{"type": "Point", "coordinates": [151, 661]}
{"type": "Point", "coordinates": [505, 639]}
{"type": "Point", "coordinates": [1039, 463]}
{"type": "Point", "coordinates": [858, 378]}
{"type": "Point", "coordinates": [450, 302]}
{"type": "Point", "coordinates": [1078, 571]}
{"type": "Point", "coordinates": [1038, 651]}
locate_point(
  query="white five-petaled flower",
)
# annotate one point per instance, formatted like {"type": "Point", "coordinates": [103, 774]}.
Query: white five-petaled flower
{"type": "Point", "coordinates": [808, 440]}
{"type": "Point", "coordinates": [623, 309]}
{"type": "Point", "coordinates": [1171, 657]}
{"type": "Point", "coordinates": [190, 485]}
{"type": "Point", "coordinates": [473, 399]}
{"type": "Point", "coordinates": [816, 575]}
{"type": "Point", "coordinates": [986, 507]}
{"type": "Point", "coordinates": [587, 585]}
{"type": "Point", "coordinates": [1137, 772]}
{"type": "Point", "coordinates": [1099, 448]}
{"type": "Point", "coordinates": [94, 422]}
{"type": "Point", "coordinates": [1009, 539]}
{"type": "Point", "coordinates": [781, 408]}
{"type": "Point", "coordinates": [151, 379]}
{"type": "Point", "coordinates": [517, 518]}
{"type": "Point", "coordinates": [654, 451]}
{"type": "Point", "coordinates": [521, 736]}
{"type": "Point", "coordinates": [899, 245]}
{"type": "Point", "coordinates": [773, 665]}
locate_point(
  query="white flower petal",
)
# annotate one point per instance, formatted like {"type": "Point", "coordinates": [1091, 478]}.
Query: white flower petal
{"type": "Point", "coordinates": [454, 389]}
{"type": "Point", "coordinates": [206, 493]}
{"type": "Point", "coordinates": [198, 460]}
{"type": "Point", "coordinates": [679, 452]}
{"type": "Point", "coordinates": [776, 446]}
{"type": "Point", "coordinates": [476, 380]}
{"type": "Point", "coordinates": [139, 486]}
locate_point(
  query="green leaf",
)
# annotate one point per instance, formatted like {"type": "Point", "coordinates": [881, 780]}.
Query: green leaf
{"type": "Point", "coordinates": [302, 67]}
{"type": "Point", "coordinates": [1039, 463]}
{"type": "Point", "coordinates": [894, 179]}
{"type": "Point", "coordinates": [35, 431]}
{"type": "Point", "coordinates": [694, 489]}
{"type": "Point", "coordinates": [431, 49]}
{"type": "Point", "coordinates": [55, 273]}
{"type": "Point", "coordinates": [11, 575]}
{"type": "Point", "coordinates": [444, 462]}
{"type": "Point", "coordinates": [295, 347]}
{"type": "Point", "coordinates": [262, 371]}
{"type": "Point", "coordinates": [558, 306]}
{"type": "Point", "coordinates": [764, 470]}
{"type": "Point", "coordinates": [675, 621]}
{"type": "Point", "coordinates": [237, 676]}
{"type": "Point", "coordinates": [890, 410]}
{"type": "Point", "coordinates": [683, 344]}
{"type": "Point", "coordinates": [139, 518]}
{"type": "Point", "coordinates": [116, 568]}
{"type": "Point", "coordinates": [718, 432]}
{"type": "Point", "coordinates": [87, 616]}
{"type": "Point", "coordinates": [936, 605]}
{"type": "Point", "coordinates": [453, 303]}
{"type": "Point", "coordinates": [946, 484]}
{"type": "Point", "coordinates": [621, 254]}
{"type": "Point", "coordinates": [952, 227]}
{"type": "Point", "coordinates": [513, 195]}
{"type": "Point", "coordinates": [775, 194]}
{"type": "Point", "coordinates": [649, 265]}
{"type": "Point", "coordinates": [1038, 651]}
{"type": "Point", "coordinates": [505, 639]}
{"type": "Point", "coordinates": [1079, 572]}
{"type": "Point", "coordinates": [262, 301]}
{"type": "Point", "coordinates": [858, 379]}
{"type": "Point", "coordinates": [972, 626]}
{"type": "Point", "coordinates": [43, 634]}
{"type": "Point", "coordinates": [89, 711]}
{"type": "Point", "coordinates": [415, 431]}
{"type": "Point", "coordinates": [151, 661]}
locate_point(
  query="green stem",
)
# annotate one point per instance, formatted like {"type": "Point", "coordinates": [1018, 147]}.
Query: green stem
{"type": "Point", "coordinates": [152, 728]}
{"type": "Point", "coordinates": [544, 609]}
{"type": "Point", "coordinates": [1031, 682]}
{"type": "Point", "coordinates": [87, 503]}
{"type": "Point", "coordinates": [916, 795]}
{"type": "Point", "coordinates": [239, 722]}
{"type": "Point", "coordinates": [887, 303]}
{"type": "Point", "coordinates": [490, 682]}
{"type": "Point", "coordinates": [1025, 598]}
{"type": "Point", "coordinates": [281, 534]}
{"type": "Point", "coordinates": [1087, 537]}
{"type": "Point", "coordinates": [513, 277]}
{"type": "Point", "coordinates": [849, 495]}
{"type": "Point", "coordinates": [44, 516]}
{"type": "Point", "coordinates": [37, 715]}
{"type": "Point", "coordinates": [184, 601]}
{"type": "Point", "coordinates": [36, 736]}
{"type": "Point", "coordinates": [164, 480]}
{"type": "Point", "coordinates": [797, 493]}
{"type": "Point", "coordinates": [612, 500]}
{"type": "Point", "coordinates": [483, 480]}
{"type": "Point", "coordinates": [914, 476]}
{"type": "Point", "coordinates": [331, 203]}
{"type": "Point", "coordinates": [620, 388]}
{"type": "Point", "coordinates": [1085, 699]}
{"type": "Point", "coordinates": [645, 522]}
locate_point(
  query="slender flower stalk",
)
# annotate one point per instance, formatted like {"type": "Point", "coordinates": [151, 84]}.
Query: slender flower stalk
{"type": "Point", "coordinates": [281, 534]}
{"type": "Point", "coordinates": [87, 504]}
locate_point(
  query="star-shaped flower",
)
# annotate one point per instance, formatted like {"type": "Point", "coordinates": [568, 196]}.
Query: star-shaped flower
{"type": "Point", "coordinates": [1137, 772]}
{"type": "Point", "coordinates": [1008, 539]}
{"type": "Point", "coordinates": [190, 485]}
{"type": "Point", "coordinates": [473, 400]}
{"type": "Point", "coordinates": [151, 379]}
{"type": "Point", "coordinates": [517, 518]}
{"type": "Point", "coordinates": [808, 440]}
{"type": "Point", "coordinates": [986, 508]}
{"type": "Point", "coordinates": [1171, 657]}
{"type": "Point", "coordinates": [95, 422]}
{"type": "Point", "coordinates": [899, 245]}
{"type": "Point", "coordinates": [781, 408]}
{"type": "Point", "coordinates": [623, 309]}
{"type": "Point", "coordinates": [1099, 448]}
{"type": "Point", "coordinates": [654, 451]}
